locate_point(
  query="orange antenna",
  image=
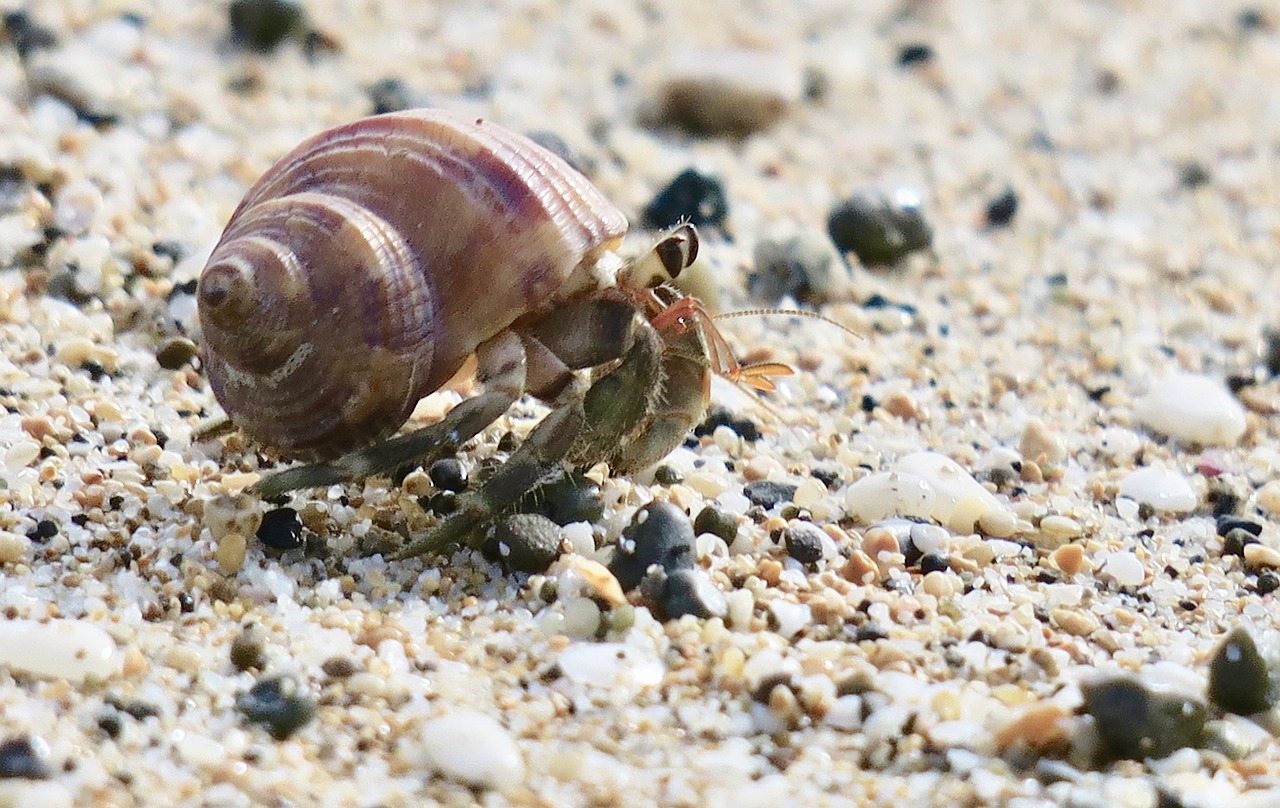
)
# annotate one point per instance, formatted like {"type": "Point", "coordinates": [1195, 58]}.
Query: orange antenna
{"type": "Point", "coordinates": [687, 313]}
{"type": "Point", "coordinates": [812, 315]}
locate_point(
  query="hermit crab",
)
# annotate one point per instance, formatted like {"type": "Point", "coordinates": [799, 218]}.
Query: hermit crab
{"type": "Point", "coordinates": [362, 271]}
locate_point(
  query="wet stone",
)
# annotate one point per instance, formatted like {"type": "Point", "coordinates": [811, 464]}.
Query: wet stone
{"type": "Point", "coordinates": [661, 534]}
{"type": "Point", "coordinates": [767, 493]}
{"type": "Point", "coordinates": [448, 474]}
{"type": "Point", "coordinates": [281, 529]}
{"type": "Point", "coordinates": [804, 541]}
{"type": "Point", "coordinates": [277, 706]}
{"type": "Point", "coordinates": [716, 522]}
{"type": "Point", "coordinates": [261, 25]}
{"type": "Point", "coordinates": [566, 499]}
{"type": "Point", "coordinates": [880, 230]}
{"type": "Point", "coordinates": [688, 591]}
{"type": "Point", "coordinates": [23, 757]}
{"type": "Point", "coordinates": [690, 197]}
{"type": "Point", "coordinates": [524, 542]}
{"type": "Point", "coordinates": [1135, 723]}
{"type": "Point", "coordinates": [1238, 678]}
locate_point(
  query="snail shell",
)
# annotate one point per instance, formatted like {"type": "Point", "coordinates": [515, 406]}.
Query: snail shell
{"type": "Point", "coordinates": [361, 271]}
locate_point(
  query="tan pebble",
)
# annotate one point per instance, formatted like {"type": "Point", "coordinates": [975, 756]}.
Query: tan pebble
{"type": "Point", "coordinates": [902, 405]}
{"type": "Point", "coordinates": [998, 523]}
{"type": "Point", "coordinates": [773, 524]}
{"type": "Point", "coordinates": [364, 683]}
{"type": "Point", "coordinates": [1078, 624]}
{"type": "Point", "coordinates": [226, 514]}
{"type": "Point", "coordinates": [1069, 558]}
{"type": "Point", "coordinates": [1031, 472]}
{"type": "Point", "coordinates": [707, 484]}
{"type": "Point", "coordinates": [1040, 445]}
{"type": "Point", "coordinates": [784, 705]}
{"type": "Point", "coordinates": [770, 571]}
{"type": "Point", "coordinates": [1269, 498]}
{"type": "Point", "coordinates": [1060, 528]}
{"type": "Point", "coordinates": [234, 483]}
{"type": "Point", "coordinates": [75, 352]}
{"type": "Point", "coordinates": [417, 484]}
{"type": "Point", "coordinates": [731, 663]}
{"type": "Point", "coordinates": [762, 467]}
{"type": "Point", "coordinates": [981, 553]}
{"type": "Point", "coordinates": [1260, 555]}
{"type": "Point", "coordinates": [602, 582]}
{"type": "Point", "coordinates": [184, 658]}
{"type": "Point", "coordinates": [1042, 728]}
{"type": "Point", "coordinates": [231, 552]}
{"type": "Point", "coordinates": [939, 584]}
{"type": "Point", "coordinates": [877, 540]}
{"type": "Point", "coordinates": [377, 635]}
{"type": "Point", "coordinates": [809, 493]}
{"type": "Point", "coordinates": [104, 411]}
{"type": "Point", "coordinates": [13, 547]}
{"type": "Point", "coordinates": [135, 663]}
{"type": "Point", "coordinates": [860, 568]}
{"type": "Point", "coordinates": [1044, 658]}
{"type": "Point", "coordinates": [37, 426]}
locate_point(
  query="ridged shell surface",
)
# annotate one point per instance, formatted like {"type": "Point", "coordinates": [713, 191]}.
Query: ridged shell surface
{"type": "Point", "coordinates": [362, 269]}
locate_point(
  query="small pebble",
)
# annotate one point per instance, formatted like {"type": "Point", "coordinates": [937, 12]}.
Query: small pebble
{"type": "Point", "coordinates": [689, 591]}
{"type": "Point", "coordinates": [790, 618]}
{"type": "Point", "coordinates": [1268, 498]}
{"type": "Point", "coordinates": [1069, 558]}
{"type": "Point", "coordinates": [666, 475]}
{"type": "Point", "coordinates": [659, 533]}
{"type": "Point", "coordinates": [174, 353]}
{"type": "Point", "coordinates": [13, 548]}
{"type": "Point", "coordinates": [767, 493]}
{"type": "Point", "coordinates": [915, 54]}
{"type": "Point", "coordinates": [389, 95]}
{"type": "Point", "coordinates": [231, 552]}
{"type": "Point", "coordinates": [469, 747]}
{"type": "Point", "coordinates": [1268, 582]}
{"type": "Point", "coordinates": [1236, 539]}
{"type": "Point", "coordinates": [1239, 681]}
{"type": "Point", "coordinates": [281, 529]}
{"type": "Point", "coordinates": [1193, 409]}
{"type": "Point", "coordinates": [691, 197]}
{"type": "Point", "coordinates": [24, 757]}
{"type": "Point", "coordinates": [524, 542]}
{"type": "Point", "coordinates": [730, 93]}
{"type": "Point", "coordinates": [1134, 723]}
{"type": "Point", "coordinates": [718, 416]}
{"type": "Point", "coordinates": [1159, 488]}
{"type": "Point", "coordinates": [1228, 522]}
{"type": "Point", "coordinates": [232, 513]}
{"type": "Point", "coordinates": [1261, 555]}
{"type": "Point", "coordinates": [804, 542]}
{"type": "Point", "coordinates": [59, 649]}
{"type": "Point", "coordinates": [1060, 528]}
{"type": "Point", "coordinates": [804, 267]}
{"type": "Point", "coordinates": [1038, 443]}
{"type": "Point", "coordinates": [261, 25]}
{"type": "Point", "coordinates": [879, 229]}
{"type": "Point", "coordinates": [716, 522]}
{"type": "Point", "coordinates": [278, 706]}
{"type": "Point", "coordinates": [1001, 210]}
{"type": "Point", "coordinates": [448, 474]}
{"type": "Point", "coordinates": [890, 493]}
{"type": "Point", "coordinates": [1124, 568]}
{"type": "Point", "coordinates": [249, 649]}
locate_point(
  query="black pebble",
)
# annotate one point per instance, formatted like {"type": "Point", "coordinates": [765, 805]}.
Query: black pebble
{"type": "Point", "coordinates": [803, 541]}
{"type": "Point", "coordinates": [1001, 210]}
{"type": "Point", "coordinates": [524, 542]}
{"type": "Point", "coordinates": [568, 498]}
{"type": "Point", "coordinates": [261, 25]}
{"type": "Point", "coordinates": [1234, 542]}
{"type": "Point", "coordinates": [388, 95]}
{"type": "Point", "coordinates": [44, 530]}
{"type": "Point", "coordinates": [690, 197]}
{"type": "Point", "coordinates": [111, 722]}
{"type": "Point", "coordinates": [716, 522]}
{"type": "Point", "coordinates": [19, 757]}
{"type": "Point", "coordinates": [935, 562]}
{"type": "Point", "coordinates": [1194, 175]}
{"type": "Point", "coordinates": [276, 705]}
{"type": "Point", "coordinates": [1271, 351]}
{"type": "Point", "coordinates": [827, 476]}
{"type": "Point", "coordinates": [917, 53]}
{"type": "Point", "coordinates": [719, 416]}
{"type": "Point", "coordinates": [281, 529]}
{"type": "Point", "coordinates": [1135, 723]}
{"type": "Point", "coordinates": [1252, 19]}
{"type": "Point", "coordinates": [879, 230]}
{"type": "Point", "coordinates": [659, 533]}
{"type": "Point", "coordinates": [665, 475]}
{"type": "Point", "coordinates": [26, 35]}
{"type": "Point", "coordinates": [340, 667]}
{"type": "Point", "coordinates": [767, 493]}
{"type": "Point", "coordinates": [176, 352]}
{"type": "Point", "coordinates": [688, 591]}
{"type": "Point", "coordinates": [1268, 582]}
{"type": "Point", "coordinates": [1238, 678]}
{"type": "Point", "coordinates": [448, 474]}
{"type": "Point", "coordinates": [1225, 524]}
{"type": "Point", "coordinates": [441, 503]}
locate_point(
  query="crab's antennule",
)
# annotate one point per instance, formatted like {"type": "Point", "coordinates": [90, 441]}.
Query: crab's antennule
{"type": "Point", "coordinates": [813, 315]}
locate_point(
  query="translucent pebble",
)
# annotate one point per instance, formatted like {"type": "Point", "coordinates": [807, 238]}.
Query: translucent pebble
{"type": "Point", "coordinates": [1192, 408]}
{"type": "Point", "coordinates": [469, 747]}
{"type": "Point", "coordinates": [890, 493]}
{"type": "Point", "coordinates": [961, 500]}
{"type": "Point", "coordinates": [1159, 488]}
{"type": "Point", "coordinates": [1125, 568]}
{"type": "Point", "coordinates": [609, 665]}
{"type": "Point", "coordinates": [59, 649]}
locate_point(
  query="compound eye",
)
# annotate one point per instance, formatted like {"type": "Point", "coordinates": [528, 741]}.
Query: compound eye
{"type": "Point", "coordinates": [678, 250]}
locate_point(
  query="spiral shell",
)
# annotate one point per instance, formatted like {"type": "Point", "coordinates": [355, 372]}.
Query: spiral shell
{"type": "Point", "coordinates": [362, 269]}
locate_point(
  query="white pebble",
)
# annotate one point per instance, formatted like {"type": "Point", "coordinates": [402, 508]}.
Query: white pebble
{"type": "Point", "coordinates": [960, 498]}
{"type": "Point", "coordinates": [1125, 568]}
{"type": "Point", "coordinates": [1160, 488]}
{"type": "Point", "coordinates": [845, 713]}
{"type": "Point", "coordinates": [21, 793]}
{"type": "Point", "coordinates": [198, 750]}
{"type": "Point", "coordinates": [890, 493]}
{"type": "Point", "coordinates": [610, 665]}
{"type": "Point", "coordinates": [21, 454]}
{"type": "Point", "coordinates": [469, 747]}
{"type": "Point", "coordinates": [791, 617]}
{"type": "Point", "coordinates": [1192, 408]}
{"type": "Point", "coordinates": [59, 649]}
